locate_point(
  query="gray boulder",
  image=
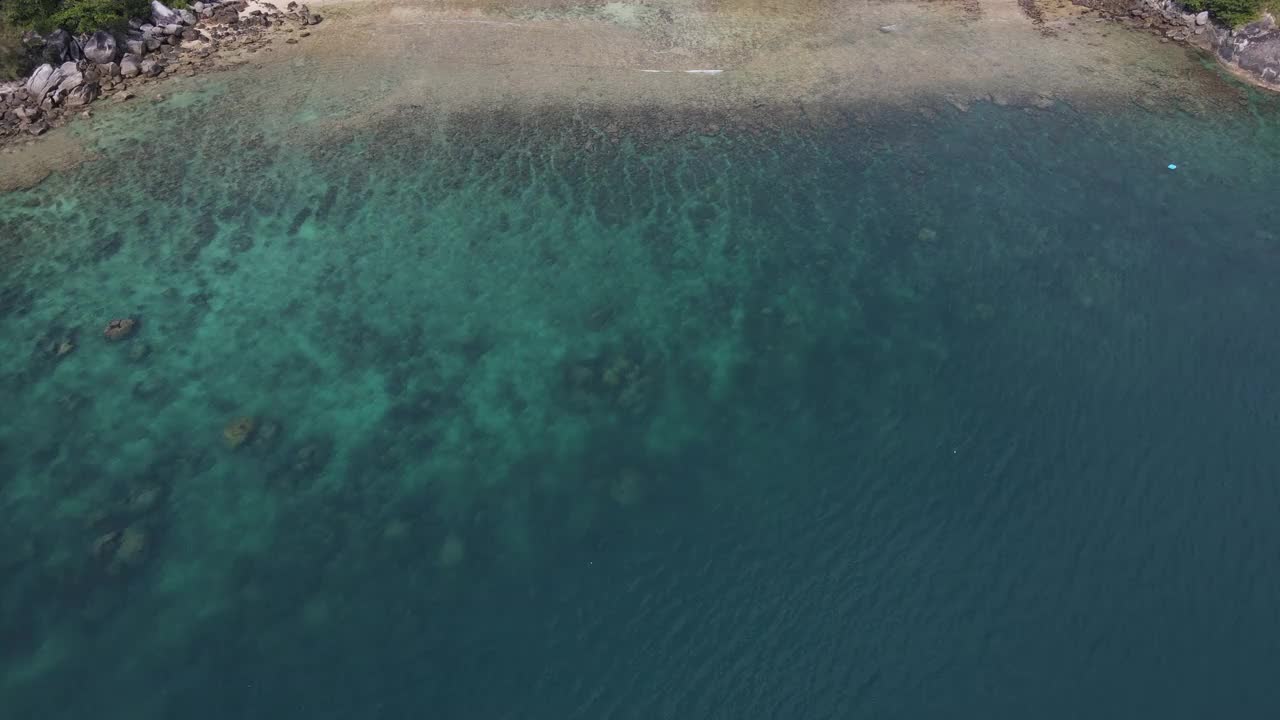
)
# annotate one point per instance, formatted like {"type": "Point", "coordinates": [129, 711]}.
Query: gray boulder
{"type": "Point", "coordinates": [101, 48]}
{"type": "Point", "coordinates": [60, 47]}
{"type": "Point", "coordinates": [71, 78]}
{"type": "Point", "coordinates": [131, 66]}
{"type": "Point", "coordinates": [1255, 48]}
{"type": "Point", "coordinates": [82, 95]}
{"type": "Point", "coordinates": [173, 29]}
{"type": "Point", "coordinates": [162, 15]}
{"type": "Point", "coordinates": [188, 17]}
{"type": "Point", "coordinates": [45, 78]}
{"type": "Point", "coordinates": [150, 67]}
{"type": "Point", "coordinates": [135, 47]}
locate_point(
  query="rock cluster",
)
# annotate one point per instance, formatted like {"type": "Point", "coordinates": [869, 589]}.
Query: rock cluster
{"type": "Point", "coordinates": [79, 70]}
{"type": "Point", "coordinates": [1253, 50]}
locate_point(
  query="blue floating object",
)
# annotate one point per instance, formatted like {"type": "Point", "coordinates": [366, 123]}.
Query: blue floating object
{"type": "Point", "coordinates": [1172, 166]}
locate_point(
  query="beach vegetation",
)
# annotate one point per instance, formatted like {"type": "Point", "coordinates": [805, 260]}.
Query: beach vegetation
{"type": "Point", "coordinates": [77, 16]}
{"type": "Point", "coordinates": [1229, 12]}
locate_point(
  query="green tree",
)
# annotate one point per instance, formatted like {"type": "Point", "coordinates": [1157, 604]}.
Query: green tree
{"type": "Point", "coordinates": [76, 16]}
{"type": "Point", "coordinates": [1231, 12]}
{"type": "Point", "coordinates": [35, 14]}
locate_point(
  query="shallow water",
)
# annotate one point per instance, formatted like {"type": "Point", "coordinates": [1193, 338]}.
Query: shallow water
{"type": "Point", "coordinates": [571, 415]}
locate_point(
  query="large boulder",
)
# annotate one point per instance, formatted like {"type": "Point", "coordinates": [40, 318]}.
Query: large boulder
{"type": "Point", "coordinates": [45, 78]}
{"type": "Point", "coordinates": [60, 47]}
{"type": "Point", "coordinates": [162, 15]}
{"type": "Point", "coordinates": [101, 48]}
{"type": "Point", "coordinates": [188, 17]}
{"type": "Point", "coordinates": [135, 46]}
{"type": "Point", "coordinates": [72, 78]}
{"type": "Point", "coordinates": [131, 66]}
{"type": "Point", "coordinates": [150, 67]}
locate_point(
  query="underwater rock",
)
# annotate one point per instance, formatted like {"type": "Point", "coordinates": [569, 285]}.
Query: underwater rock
{"type": "Point", "coordinates": [139, 352]}
{"type": "Point", "coordinates": [452, 552]}
{"type": "Point", "coordinates": [101, 48]}
{"type": "Point", "coordinates": [266, 433]}
{"type": "Point", "coordinates": [120, 550]}
{"type": "Point", "coordinates": [238, 431]}
{"type": "Point", "coordinates": [144, 500]}
{"type": "Point", "coordinates": [312, 457]}
{"type": "Point", "coordinates": [627, 489]}
{"type": "Point", "coordinates": [120, 329]}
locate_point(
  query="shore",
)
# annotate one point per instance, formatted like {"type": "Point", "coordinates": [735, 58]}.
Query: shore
{"type": "Point", "coordinates": [734, 57]}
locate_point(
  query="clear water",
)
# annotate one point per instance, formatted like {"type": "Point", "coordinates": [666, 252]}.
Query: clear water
{"type": "Point", "coordinates": [573, 415]}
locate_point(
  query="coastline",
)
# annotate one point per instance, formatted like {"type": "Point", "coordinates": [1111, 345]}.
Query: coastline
{"type": "Point", "coordinates": [734, 60]}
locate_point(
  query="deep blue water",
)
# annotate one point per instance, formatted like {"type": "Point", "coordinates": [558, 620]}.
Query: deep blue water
{"type": "Point", "coordinates": [967, 416]}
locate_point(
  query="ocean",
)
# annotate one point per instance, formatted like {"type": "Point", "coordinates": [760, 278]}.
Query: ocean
{"type": "Point", "coordinates": [582, 413]}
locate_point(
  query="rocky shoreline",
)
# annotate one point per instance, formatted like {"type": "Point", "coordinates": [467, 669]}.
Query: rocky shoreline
{"type": "Point", "coordinates": [78, 71]}
{"type": "Point", "coordinates": [1250, 52]}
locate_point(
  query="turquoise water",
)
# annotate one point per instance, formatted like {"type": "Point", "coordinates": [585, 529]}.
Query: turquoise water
{"type": "Point", "coordinates": [646, 414]}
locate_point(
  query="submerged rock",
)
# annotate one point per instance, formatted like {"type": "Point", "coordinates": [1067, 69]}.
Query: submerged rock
{"type": "Point", "coordinates": [452, 552]}
{"type": "Point", "coordinates": [238, 431]}
{"type": "Point", "coordinates": [120, 329]}
{"type": "Point", "coordinates": [120, 550]}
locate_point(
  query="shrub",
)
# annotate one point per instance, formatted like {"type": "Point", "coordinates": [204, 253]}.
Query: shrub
{"type": "Point", "coordinates": [1231, 12]}
{"type": "Point", "coordinates": [76, 16]}
{"type": "Point", "coordinates": [81, 16]}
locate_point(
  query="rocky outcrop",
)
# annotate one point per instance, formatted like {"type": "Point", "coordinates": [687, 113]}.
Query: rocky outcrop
{"type": "Point", "coordinates": [1255, 49]}
{"type": "Point", "coordinates": [76, 72]}
{"type": "Point", "coordinates": [1251, 52]}
{"type": "Point", "coordinates": [101, 48]}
